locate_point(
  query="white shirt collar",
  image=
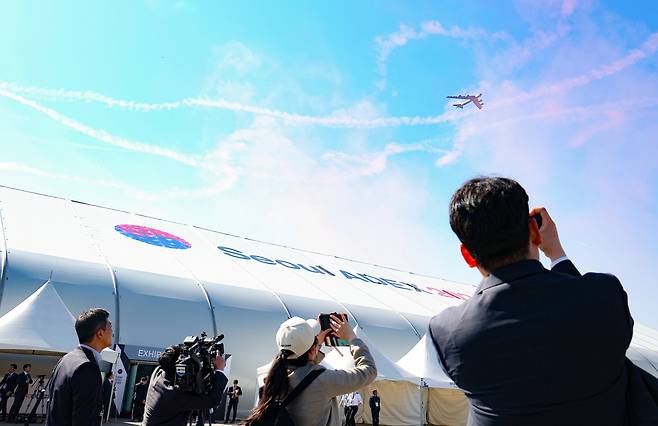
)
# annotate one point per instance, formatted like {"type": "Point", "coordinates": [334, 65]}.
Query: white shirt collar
{"type": "Point", "coordinates": [97, 354]}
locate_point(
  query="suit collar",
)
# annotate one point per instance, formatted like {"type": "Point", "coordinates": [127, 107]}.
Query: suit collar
{"type": "Point", "coordinates": [511, 272]}
{"type": "Point", "coordinates": [90, 353]}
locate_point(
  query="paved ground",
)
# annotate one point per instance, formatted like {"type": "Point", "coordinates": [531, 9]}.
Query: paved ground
{"type": "Point", "coordinates": [121, 422]}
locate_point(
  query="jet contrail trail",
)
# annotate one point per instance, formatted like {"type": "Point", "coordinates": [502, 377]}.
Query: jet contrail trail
{"type": "Point", "coordinates": [648, 48]}
{"type": "Point", "coordinates": [131, 191]}
{"type": "Point", "coordinates": [102, 135]}
{"type": "Point", "coordinates": [327, 121]}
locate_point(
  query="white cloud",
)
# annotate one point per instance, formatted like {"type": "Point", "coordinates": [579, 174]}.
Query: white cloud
{"type": "Point", "coordinates": [388, 43]}
{"type": "Point", "coordinates": [237, 56]}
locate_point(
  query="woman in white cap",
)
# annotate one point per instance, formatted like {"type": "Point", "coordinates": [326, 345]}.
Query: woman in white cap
{"type": "Point", "coordinates": [299, 347]}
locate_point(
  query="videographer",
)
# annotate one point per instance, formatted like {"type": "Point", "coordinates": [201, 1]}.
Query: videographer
{"type": "Point", "coordinates": [168, 406]}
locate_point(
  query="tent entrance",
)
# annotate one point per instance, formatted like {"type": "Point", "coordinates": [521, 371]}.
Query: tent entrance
{"type": "Point", "coordinates": [136, 372]}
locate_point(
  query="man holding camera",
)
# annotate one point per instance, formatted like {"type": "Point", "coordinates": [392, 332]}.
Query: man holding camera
{"type": "Point", "coordinates": [532, 346]}
{"type": "Point", "coordinates": [168, 406]}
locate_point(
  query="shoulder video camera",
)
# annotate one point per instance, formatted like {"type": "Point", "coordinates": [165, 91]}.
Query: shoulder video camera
{"type": "Point", "coordinates": [194, 367]}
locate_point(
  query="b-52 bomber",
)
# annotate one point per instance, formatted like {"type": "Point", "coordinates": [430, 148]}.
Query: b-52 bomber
{"type": "Point", "coordinates": [468, 98]}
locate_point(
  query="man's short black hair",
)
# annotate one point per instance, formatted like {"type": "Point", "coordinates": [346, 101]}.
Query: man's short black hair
{"type": "Point", "coordinates": [89, 322]}
{"type": "Point", "coordinates": [25, 366]}
{"type": "Point", "coordinates": [490, 217]}
{"type": "Point", "coordinates": [14, 366]}
{"type": "Point", "coordinates": [235, 382]}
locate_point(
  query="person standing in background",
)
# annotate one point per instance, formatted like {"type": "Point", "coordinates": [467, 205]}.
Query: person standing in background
{"type": "Point", "coordinates": [234, 393]}
{"type": "Point", "coordinates": [375, 406]}
{"type": "Point", "coordinates": [352, 403]}
{"type": "Point", "coordinates": [23, 382]}
{"type": "Point", "coordinates": [139, 399]}
{"type": "Point", "coordinates": [7, 386]}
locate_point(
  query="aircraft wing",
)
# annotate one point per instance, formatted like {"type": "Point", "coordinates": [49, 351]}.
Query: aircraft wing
{"type": "Point", "coordinates": [476, 101]}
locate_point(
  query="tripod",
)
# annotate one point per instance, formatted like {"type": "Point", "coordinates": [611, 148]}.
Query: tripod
{"type": "Point", "coordinates": [40, 395]}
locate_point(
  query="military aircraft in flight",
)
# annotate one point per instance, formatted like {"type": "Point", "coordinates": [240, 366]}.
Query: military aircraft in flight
{"type": "Point", "coordinates": [477, 101]}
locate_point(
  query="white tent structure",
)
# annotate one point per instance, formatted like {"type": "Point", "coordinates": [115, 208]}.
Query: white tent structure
{"type": "Point", "coordinates": [41, 324]}
{"type": "Point", "coordinates": [397, 387]}
{"type": "Point", "coordinates": [444, 403]}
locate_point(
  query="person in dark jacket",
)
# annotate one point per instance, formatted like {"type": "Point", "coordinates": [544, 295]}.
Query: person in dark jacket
{"type": "Point", "coordinates": [7, 387]}
{"type": "Point", "coordinates": [167, 406]}
{"type": "Point", "coordinates": [375, 405]}
{"type": "Point", "coordinates": [23, 382]}
{"type": "Point", "coordinates": [139, 399]}
{"type": "Point", "coordinates": [108, 396]}
{"type": "Point", "coordinates": [532, 346]}
{"type": "Point", "coordinates": [75, 386]}
{"type": "Point", "coordinates": [234, 393]}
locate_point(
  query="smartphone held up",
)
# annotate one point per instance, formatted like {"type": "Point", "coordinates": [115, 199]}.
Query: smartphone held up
{"type": "Point", "coordinates": [325, 324]}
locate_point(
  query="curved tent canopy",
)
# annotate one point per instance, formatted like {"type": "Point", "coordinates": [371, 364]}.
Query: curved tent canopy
{"type": "Point", "coordinates": [341, 358]}
{"type": "Point", "coordinates": [41, 324]}
{"type": "Point", "coordinates": [422, 361]}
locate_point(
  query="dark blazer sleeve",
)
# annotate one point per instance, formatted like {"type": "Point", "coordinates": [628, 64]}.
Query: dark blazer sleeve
{"type": "Point", "coordinates": [190, 401]}
{"type": "Point", "coordinates": [566, 267]}
{"type": "Point", "coordinates": [86, 390]}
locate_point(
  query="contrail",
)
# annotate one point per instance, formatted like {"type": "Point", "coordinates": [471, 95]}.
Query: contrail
{"type": "Point", "coordinates": [131, 191]}
{"type": "Point", "coordinates": [648, 48]}
{"type": "Point", "coordinates": [327, 121]}
{"type": "Point", "coordinates": [102, 135]}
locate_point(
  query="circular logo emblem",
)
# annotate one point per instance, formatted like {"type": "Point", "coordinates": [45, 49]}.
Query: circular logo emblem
{"type": "Point", "coordinates": [153, 236]}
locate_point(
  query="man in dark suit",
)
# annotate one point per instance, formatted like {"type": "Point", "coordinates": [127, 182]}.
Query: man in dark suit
{"type": "Point", "coordinates": [532, 346]}
{"type": "Point", "coordinates": [23, 382]}
{"type": "Point", "coordinates": [139, 399]}
{"type": "Point", "coordinates": [375, 405]}
{"type": "Point", "coordinates": [234, 392]}
{"type": "Point", "coordinates": [168, 406]}
{"type": "Point", "coordinates": [75, 386]}
{"type": "Point", "coordinates": [7, 387]}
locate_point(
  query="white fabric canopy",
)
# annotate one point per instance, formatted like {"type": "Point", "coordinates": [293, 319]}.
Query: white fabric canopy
{"type": "Point", "coordinates": [422, 361]}
{"type": "Point", "coordinates": [386, 369]}
{"type": "Point", "coordinates": [40, 324]}
{"type": "Point", "coordinates": [447, 407]}
{"type": "Point", "coordinates": [401, 403]}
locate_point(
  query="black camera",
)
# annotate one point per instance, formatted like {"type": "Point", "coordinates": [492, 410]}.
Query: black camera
{"type": "Point", "coordinates": [194, 367]}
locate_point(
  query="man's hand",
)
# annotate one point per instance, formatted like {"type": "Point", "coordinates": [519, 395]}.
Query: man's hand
{"type": "Point", "coordinates": [219, 362]}
{"type": "Point", "coordinates": [550, 244]}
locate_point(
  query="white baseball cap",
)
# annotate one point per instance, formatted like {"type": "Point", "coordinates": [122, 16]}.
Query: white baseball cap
{"type": "Point", "coordinates": [297, 335]}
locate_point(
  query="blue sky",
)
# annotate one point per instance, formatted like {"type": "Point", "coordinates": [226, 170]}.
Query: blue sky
{"type": "Point", "coordinates": [325, 125]}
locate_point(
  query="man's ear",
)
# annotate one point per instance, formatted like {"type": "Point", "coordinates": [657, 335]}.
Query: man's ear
{"type": "Point", "coordinates": [533, 228]}
{"type": "Point", "coordinates": [470, 261]}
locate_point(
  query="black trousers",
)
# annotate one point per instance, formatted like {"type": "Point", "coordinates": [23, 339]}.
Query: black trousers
{"type": "Point", "coordinates": [16, 406]}
{"type": "Point", "coordinates": [375, 417]}
{"type": "Point", "coordinates": [232, 404]}
{"type": "Point", "coordinates": [138, 411]}
{"type": "Point", "coordinates": [350, 415]}
{"type": "Point", "coordinates": [3, 405]}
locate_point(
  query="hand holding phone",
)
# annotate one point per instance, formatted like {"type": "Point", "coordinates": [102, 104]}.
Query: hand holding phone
{"type": "Point", "coordinates": [341, 333]}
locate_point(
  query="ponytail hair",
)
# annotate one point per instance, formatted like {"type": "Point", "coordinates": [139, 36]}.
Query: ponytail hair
{"type": "Point", "coordinates": [277, 384]}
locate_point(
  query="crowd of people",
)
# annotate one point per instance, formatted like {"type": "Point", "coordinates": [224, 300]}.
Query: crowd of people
{"type": "Point", "coordinates": [532, 345]}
